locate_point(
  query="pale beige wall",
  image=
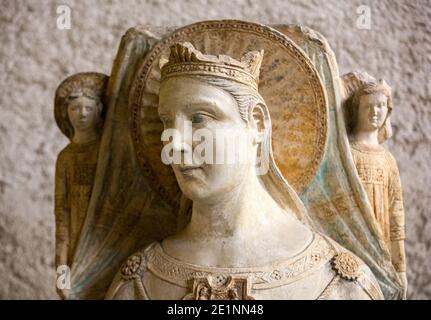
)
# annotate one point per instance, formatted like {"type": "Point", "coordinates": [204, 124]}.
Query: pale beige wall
{"type": "Point", "coordinates": [35, 56]}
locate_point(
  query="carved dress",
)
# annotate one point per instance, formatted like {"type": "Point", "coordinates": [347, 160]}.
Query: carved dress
{"type": "Point", "coordinates": [324, 270]}
{"type": "Point", "coordinates": [379, 174]}
{"type": "Point", "coordinates": [74, 177]}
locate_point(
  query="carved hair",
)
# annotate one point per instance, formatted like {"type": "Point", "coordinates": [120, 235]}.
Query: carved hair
{"type": "Point", "coordinates": [352, 106]}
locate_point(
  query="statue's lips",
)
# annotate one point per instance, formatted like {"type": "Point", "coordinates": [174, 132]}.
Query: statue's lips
{"type": "Point", "coordinates": [188, 170]}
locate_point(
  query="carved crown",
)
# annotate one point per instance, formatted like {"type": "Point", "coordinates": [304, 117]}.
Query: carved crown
{"type": "Point", "coordinates": [184, 59]}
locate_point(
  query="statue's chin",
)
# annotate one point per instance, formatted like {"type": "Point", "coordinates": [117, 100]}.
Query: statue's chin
{"type": "Point", "coordinates": [374, 125]}
{"type": "Point", "coordinates": [200, 192]}
{"type": "Point", "coordinates": [194, 189]}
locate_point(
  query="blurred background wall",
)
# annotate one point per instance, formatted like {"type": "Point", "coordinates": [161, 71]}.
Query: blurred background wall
{"type": "Point", "coordinates": [35, 56]}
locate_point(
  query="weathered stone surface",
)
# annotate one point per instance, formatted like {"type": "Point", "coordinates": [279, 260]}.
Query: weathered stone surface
{"type": "Point", "coordinates": [36, 56]}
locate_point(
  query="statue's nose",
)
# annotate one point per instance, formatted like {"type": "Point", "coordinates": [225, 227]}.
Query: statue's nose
{"type": "Point", "coordinates": [177, 142]}
{"type": "Point", "coordinates": [182, 137]}
{"type": "Point", "coordinates": [373, 110]}
{"type": "Point", "coordinates": [82, 113]}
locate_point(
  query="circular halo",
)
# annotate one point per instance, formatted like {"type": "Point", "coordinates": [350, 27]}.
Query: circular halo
{"type": "Point", "coordinates": [289, 83]}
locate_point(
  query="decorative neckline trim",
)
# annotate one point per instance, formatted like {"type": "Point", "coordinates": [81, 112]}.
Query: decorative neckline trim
{"type": "Point", "coordinates": [359, 146]}
{"type": "Point", "coordinates": [317, 253]}
{"type": "Point", "coordinates": [85, 143]}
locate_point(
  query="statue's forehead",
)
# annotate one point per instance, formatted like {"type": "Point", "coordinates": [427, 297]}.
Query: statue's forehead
{"type": "Point", "coordinates": [81, 99]}
{"type": "Point", "coordinates": [374, 96]}
{"type": "Point", "coordinates": [190, 92]}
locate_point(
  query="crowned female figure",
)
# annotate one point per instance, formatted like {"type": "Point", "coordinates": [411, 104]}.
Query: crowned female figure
{"type": "Point", "coordinates": [78, 112]}
{"type": "Point", "coordinates": [244, 240]}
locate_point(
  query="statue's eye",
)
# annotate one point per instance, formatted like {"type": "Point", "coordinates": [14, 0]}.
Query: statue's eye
{"type": "Point", "coordinates": [197, 118]}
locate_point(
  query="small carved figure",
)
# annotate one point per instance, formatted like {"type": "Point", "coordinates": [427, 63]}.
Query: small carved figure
{"type": "Point", "coordinates": [79, 112]}
{"type": "Point", "coordinates": [368, 122]}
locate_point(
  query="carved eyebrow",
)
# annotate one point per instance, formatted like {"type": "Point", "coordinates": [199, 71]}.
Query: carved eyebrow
{"type": "Point", "coordinates": [205, 105]}
{"type": "Point", "coordinates": [202, 103]}
{"type": "Point", "coordinates": [208, 106]}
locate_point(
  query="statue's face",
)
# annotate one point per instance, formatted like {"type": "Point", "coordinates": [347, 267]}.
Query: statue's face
{"type": "Point", "coordinates": [215, 112]}
{"type": "Point", "coordinates": [83, 113]}
{"type": "Point", "coordinates": [372, 112]}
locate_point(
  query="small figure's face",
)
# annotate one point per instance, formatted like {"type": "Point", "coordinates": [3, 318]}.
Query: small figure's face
{"type": "Point", "coordinates": [215, 112]}
{"type": "Point", "coordinates": [83, 113]}
{"type": "Point", "coordinates": [372, 112]}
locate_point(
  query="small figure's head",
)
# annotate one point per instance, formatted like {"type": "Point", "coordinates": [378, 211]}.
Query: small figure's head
{"type": "Point", "coordinates": [79, 103]}
{"type": "Point", "coordinates": [218, 120]}
{"type": "Point", "coordinates": [84, 110]}
{"type": "Point", "coordinates": [370, 109]}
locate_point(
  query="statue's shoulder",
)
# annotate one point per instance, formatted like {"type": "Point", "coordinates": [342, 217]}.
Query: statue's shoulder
{"type": "Point", "coordinates": [352, 280]}
{"type": "Point", "coordinates": [391, 159]}
{"type": "Point", "coordinates": [127, 284]}
{"type": "Point", "coordinates": [64, 155]}
{"type": "Point", "coordinates": [65, 152]}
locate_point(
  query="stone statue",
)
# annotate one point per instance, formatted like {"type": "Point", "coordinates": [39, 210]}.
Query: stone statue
{"type": "Point", "coordinates": [244, 239]}
{"type": "Point", "coordinates": [368, 112]}
{"type": "Point", "coordinates": [295, 214]}
{"type": "Point", "coordinates": [79, 110]}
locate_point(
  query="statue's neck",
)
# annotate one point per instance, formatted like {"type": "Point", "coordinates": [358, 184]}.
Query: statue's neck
{"type": "Point", "coordinates": [84, 136]}
{"type": "Point", "coordinates": [239, 230]}
{"type": "Point", "coordinates": [238, 214]}
{"type": "Point", "coordinates": [370, 137]}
